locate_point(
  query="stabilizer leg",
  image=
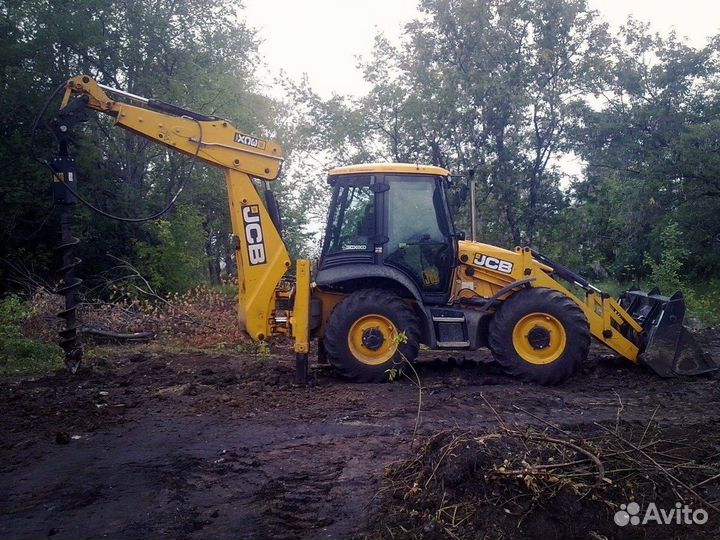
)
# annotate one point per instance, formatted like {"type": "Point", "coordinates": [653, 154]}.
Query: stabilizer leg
{"type": "Point", "coordinates": [300, 320]}
{"type": "Point", "coordinates": [301, 368]}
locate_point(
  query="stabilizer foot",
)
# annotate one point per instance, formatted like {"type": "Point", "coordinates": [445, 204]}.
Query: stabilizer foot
{"type": "Point", "coordinates": [301, 368]}
{"type": "Point", "coordinates": [321, 353]}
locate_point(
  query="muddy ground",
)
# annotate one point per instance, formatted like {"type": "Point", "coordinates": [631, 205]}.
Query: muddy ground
{"type": "Point", "coordinates": [213, 445]}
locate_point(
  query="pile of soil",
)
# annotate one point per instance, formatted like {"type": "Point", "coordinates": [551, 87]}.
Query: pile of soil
{"type": "Point", "coordinates": [552, 484]}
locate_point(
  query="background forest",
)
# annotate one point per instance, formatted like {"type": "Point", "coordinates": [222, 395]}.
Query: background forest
{"type": "Point", "coordinates": [513, 89]}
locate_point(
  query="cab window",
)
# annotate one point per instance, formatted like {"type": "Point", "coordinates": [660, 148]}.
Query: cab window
{"type": "Point", "coordinates": [352, 224]}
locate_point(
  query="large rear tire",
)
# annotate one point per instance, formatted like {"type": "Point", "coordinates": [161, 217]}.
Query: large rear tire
{"type": "Point", "coordinates": [361, 335]}
{"type": "Point", "coordinates": [539, 335]}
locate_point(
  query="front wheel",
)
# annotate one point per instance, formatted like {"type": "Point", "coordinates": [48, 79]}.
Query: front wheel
{"type": "Point", "coordinates": [361, 337]}
{"type": "Point", "coordinates": [539, 335]}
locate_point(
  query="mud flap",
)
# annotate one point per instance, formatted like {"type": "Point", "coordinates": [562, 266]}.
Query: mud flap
{"type": "Point", "coordinates": [668, 347]}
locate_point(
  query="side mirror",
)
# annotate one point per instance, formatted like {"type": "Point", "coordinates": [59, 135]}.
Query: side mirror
{"type": "Point", "coordinates": [460, 235]}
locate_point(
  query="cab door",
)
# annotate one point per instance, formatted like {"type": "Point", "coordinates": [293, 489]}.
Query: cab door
{"type": "Point", "coordinates": [351, 236]}
{"type": "Point", "coordinates": [419, 232]}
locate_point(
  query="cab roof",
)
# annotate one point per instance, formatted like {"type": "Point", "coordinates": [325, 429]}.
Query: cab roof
{"type": "Point", "coordinates": [397, 168]}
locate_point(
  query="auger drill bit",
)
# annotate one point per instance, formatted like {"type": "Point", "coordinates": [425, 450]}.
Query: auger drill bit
{"type": "Point", "coordinates": [65, 180]}
{"type": "Point", "coordinates": [69, 335]}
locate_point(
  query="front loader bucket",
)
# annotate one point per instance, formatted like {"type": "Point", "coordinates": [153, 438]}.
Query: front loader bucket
{"type": "Point", "coordinates": [668, 347]}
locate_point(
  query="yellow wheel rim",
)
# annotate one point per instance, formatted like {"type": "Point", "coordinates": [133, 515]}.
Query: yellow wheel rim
{"type": "Point", "coordinates": [539, 338]}
{"type": "Point", "coordinates": [372, 339]}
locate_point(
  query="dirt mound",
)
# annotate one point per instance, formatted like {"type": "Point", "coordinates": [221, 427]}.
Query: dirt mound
{"type": "Point", "coordinates": [552, 484]}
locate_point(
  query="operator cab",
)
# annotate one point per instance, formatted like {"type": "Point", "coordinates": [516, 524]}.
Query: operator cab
{"type": "Point", "coordinates": [390, 221]}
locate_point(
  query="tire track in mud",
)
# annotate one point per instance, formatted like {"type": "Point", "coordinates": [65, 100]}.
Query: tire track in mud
{"type": "Point", "coordinates": [293, 504]}
{"type": "Point", "coordinates": [314, 489]}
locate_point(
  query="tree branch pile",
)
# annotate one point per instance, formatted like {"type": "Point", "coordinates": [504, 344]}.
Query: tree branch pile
{"type": "Point", "coordinates": [201, 317]}
{"type": "Point", "coordinates": [522, 482]}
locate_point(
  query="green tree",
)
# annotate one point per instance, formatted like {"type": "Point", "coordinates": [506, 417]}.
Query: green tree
{"type": "Point", "coordinates": [491, 85]}
{"type": "Point", "coordinates": [175, 260]}
{"type": "Point", "coordinates": [652, 152]}
{"type": "Point", "coordinates": [666, 271]}
{"type": "Point", "coordinates": [198, 53]}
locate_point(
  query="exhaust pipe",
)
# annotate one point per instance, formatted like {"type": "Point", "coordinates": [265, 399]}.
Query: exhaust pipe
{"type": "Point", "coordinates": [667, 347]}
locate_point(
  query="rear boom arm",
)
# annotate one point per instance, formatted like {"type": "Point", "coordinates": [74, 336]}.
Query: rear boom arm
{"type": "Point", "coordinates": [261, 256]}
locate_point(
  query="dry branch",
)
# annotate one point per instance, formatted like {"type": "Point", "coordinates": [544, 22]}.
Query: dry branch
{"type": "Point", "coordinates": [132, 336]}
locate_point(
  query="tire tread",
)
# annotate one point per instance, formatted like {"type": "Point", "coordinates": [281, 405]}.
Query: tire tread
{"type": "Point", "coordinates": [346, 313]}
{"type": "Point", "coordinates": [576, 329]}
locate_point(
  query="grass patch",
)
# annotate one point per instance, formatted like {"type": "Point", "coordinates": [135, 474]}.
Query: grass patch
{"type": "Point", "coordinates": [703, 302]}
{"type": "Point", "coordinates": [20, 355]}
{"type": "Point", "coordinates": [31, 358]}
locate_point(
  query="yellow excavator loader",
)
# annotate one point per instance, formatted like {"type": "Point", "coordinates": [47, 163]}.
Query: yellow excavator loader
{"type": "Point", "coordinates": [393, 273]}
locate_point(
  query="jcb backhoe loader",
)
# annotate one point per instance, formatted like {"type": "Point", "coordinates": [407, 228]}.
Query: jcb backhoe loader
{"type": "Point", "coordinates": [393, 273]}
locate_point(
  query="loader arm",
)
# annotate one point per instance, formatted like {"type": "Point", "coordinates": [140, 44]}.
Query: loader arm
{"type": "Point", "coordinates": [262, 258]}
{"type": "Point", "coordinates": [641, 327]}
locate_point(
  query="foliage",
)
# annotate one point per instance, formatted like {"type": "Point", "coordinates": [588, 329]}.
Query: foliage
{"type": "Point", "coordinates": [512, 88]}
{"type": "Point", "coordinates": [490, 85]}
{"type": "Point", "coordinates": [175, 260]}
{"type": "Point", "coordinates": [651, 148]}
{"type": "Point", "coordinates": [398, 339]}
{"type": "Point", "coordinates": [666, 273]}
{"type": "Point", "coordinates": [703, 301]}
{"type": "Point", "coordinates": [18, 353]}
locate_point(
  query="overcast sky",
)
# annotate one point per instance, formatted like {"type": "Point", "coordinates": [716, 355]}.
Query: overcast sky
{"type": "Point", "coordinates": [322, 38]}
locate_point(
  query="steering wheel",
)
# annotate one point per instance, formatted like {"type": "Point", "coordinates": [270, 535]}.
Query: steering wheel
{"type": "Point", "coordinates": [418, 239]}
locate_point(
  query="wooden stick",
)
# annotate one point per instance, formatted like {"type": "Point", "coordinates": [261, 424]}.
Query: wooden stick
{"type": "Point", "coordinates": [593, 457]}
{"type": "Point", "coordinates": [117, 335]}
{"type": "Point", "coordinates": [543, 421]}
{"type": "Point", "coordinates": [660, 467]}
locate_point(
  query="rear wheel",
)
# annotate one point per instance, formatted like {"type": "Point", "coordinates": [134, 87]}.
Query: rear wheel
{"type": "Point", "coordinates": [361, 337]}
{"type": "Point", "coordinates": [539, 335]}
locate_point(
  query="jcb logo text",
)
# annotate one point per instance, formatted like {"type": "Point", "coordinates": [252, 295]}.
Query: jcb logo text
{"type": "Point", "coordinates": [493, 264]}
{"type": "Point", "coordinates": [253, 234]}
